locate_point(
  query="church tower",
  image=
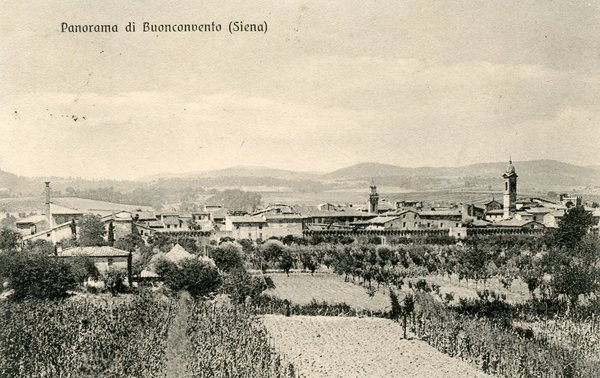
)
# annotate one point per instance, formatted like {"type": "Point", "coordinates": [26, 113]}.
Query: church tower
{"type": "Point", "coordinates": [373, 199]}
{"type": "Point", "coordinates": [510, 190]}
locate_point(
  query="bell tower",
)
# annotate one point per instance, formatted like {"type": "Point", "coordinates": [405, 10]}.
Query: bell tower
{"type": "Point", "coordinates": [373, 199]}
{"type": "Point", "coordinates": [510, 190]}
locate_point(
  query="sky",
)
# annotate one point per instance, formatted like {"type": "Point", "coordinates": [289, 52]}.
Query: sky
{"type": "Point", "coordinates": [411, 83]}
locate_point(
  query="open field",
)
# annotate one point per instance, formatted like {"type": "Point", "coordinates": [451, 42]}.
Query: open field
{"type": "Point", "coordinates": [302, 288]}
{"type": "Point", "coordinates": [358, 347]}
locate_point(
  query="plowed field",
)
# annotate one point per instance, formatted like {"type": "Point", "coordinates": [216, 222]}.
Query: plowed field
{"type": "Point", "coordinates": [358, 347]}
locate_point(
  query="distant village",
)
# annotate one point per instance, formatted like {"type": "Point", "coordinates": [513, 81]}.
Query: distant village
{"type": "Point", "coordinates": [376, 217]}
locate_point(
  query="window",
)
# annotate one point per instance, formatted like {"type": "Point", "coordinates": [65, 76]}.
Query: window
{"type": "Point", "coordinates": [428, 225]}
{"type": "Point", "coordinates": [110, 261]}
{"type": "Point", "coordinates": [403, 224]}
{"type": "Point", "coordinates": [249, 235]}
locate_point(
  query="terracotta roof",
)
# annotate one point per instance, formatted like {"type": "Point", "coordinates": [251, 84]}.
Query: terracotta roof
{"type": "Point", "coordinates": [61, 210]}
{"type": "Point", "coordinates": [145, 215]}
{"type": "Point", "coordinates": [340, 214]}
{"type": "Point", "coordinates": [32, 219]}
{"type": "Point", "coordinates": [284, 217]}
{"type": "Point", "coordinates": [480, 223]}
{"type": "Point", "coordinates": [173, 221]}
{"type": "Point", "coordinates": [104, 251]}
{"type": "Point", "coordinates": [247, 219]}
{"type": "Point", "coordinates": [45, 232]}
{"type": "Point", "coordinates": [539, 210]}
{"type": "Point", "coordinates": [513, 223]}
{"type": "Point", "coordinates": [178, 253]}
{"type": "Point", "coordinates": [440, 213]}
{"type": "Point", "coordinates": [378, 220]}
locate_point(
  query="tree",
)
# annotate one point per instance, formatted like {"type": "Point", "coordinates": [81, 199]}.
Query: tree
{"type": "Point", "coordinates": [8, 222]}
{"type": "Point", "coordinates": [286, 261]}
{"type": "Point", "coordinates": [9, 240]}
{"type": "Point", "coordinates": [228, 256]}
{"type": "Point", "coordinates": [197, 277]}
{"type": "Point", "coordinates": [573, 226]}
{"type": "Point", "coordinates": [129, 242]}
{"type": "Point", "coordinates": [115, 281]}
{"type": "Point", "coordinates": [575, 270]}
{"type": "Point", "coordinates": [240, 285]}
{"type": "Point", "coordinates": [111, 234]}
{"type": "Point", "coordinates": [37, 276]}
{"type": "Point", "coordinates": [82, 268]}
{"type": "Point", "coordinates": [91, 231]}
{"type": "Point", "coordinates": [272, 250]}
{"type": "Point", "coordinates": [40, 246]}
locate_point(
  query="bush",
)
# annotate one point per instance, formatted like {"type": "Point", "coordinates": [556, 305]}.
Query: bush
{"type": "Point", "coordinates": [37, 276]}
{"type": "Point", "coordinates": [115, 281]}
{"type": "Point", "coordinates": [228, 256]}
{"type": "Point", "coordinates": [240, 285]}
{"type": "Point", "coordinates": [83, 268]}
{"type": "Point", "coordinates": [197, 277]}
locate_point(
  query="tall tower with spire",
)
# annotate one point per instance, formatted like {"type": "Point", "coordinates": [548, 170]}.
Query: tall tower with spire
{"type": "Point", "coordinates": [373, 199]}
{"type": "Point", "coordinates": [510, 190]}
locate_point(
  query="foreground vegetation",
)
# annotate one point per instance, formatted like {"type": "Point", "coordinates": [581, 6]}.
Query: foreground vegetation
{"type": "Point", "coordinates": [131, 338]}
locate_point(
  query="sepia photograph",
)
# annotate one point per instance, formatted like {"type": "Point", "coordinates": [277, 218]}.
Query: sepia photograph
{"type": "Point", "coordinates": [300, 188]}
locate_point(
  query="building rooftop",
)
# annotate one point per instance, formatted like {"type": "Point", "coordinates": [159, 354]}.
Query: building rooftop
{"type": "Point", "coordinates": [32, 219]}
{"type": "Point", "coordinates": [514, 223]}
{"type": "Point", "coordinates": [104, 251]}
{"type": "Point", "coordinates": [247, 219]}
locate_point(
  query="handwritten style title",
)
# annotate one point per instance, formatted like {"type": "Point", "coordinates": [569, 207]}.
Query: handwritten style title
{"type": "Point", "coordinates": [149, 27]}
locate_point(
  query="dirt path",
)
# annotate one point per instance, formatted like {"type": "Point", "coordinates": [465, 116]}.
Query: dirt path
{"type": "Point", "coordinates": [177, 342]}
{"type": "Point", "coordinates": [321, 346]}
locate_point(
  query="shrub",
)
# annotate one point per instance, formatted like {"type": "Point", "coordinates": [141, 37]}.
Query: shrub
{"type": "Point", "coordinates": [37, 276]}
{"type": "Point", "coordinates": [197, 277]}
{"type": "Point", "coordinates": [228, 256]}
{"type": "Point", "coordinates": [83, 268]}
{"type": "Point", "coordinates": [240, 285]}
{"type": "Point", "coordinates": [115, 281]}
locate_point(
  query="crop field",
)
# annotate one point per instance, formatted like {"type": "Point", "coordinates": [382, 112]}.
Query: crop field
{"type": "Point", "coordinates": [303, 288]}
{"type": "Point", "coordinates": [517, 293]}
{"type": "Point", "coordinates": [358, 347]}
{"type": "Point", "coordinates": [140, 337]}
{"type": "Point", "coordinates": [582, 336]}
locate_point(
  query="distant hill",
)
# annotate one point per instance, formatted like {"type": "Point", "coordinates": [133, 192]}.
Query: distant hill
{"type": "Point", "coordinates": [238, 171]}
{"type": "Point", "coordinates": [534, 176]}
{"type": "Point", "coordinates": [533, 173]}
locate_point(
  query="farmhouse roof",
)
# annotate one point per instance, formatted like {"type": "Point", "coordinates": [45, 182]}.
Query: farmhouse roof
{"type": "Point", "coordinates": [32, 219]}
{"type": "Point", "coordinates": [61, 210]}
{"type": "Point", "coordinates": [46, 232]}
{"type": "Point", "coordinates": [178, 253]}
{"type": "Point", "coordinates": [378, 220]}
{"type": "Point", "coordinates": [514, 223]}
{"type": "Point", "coordinates": [247, 219]}
{"type": "Point", "coordinates": [145, 215]}
{"type": "Point", "coordinates": [104, 251]}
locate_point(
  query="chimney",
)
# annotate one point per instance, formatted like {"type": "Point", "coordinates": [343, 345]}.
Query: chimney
{"type": "Point", "coordinates": [48, 202]}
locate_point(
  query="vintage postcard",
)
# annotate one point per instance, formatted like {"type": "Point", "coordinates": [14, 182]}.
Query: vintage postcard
{"type": "Point", "coordinates": [299, 188]}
